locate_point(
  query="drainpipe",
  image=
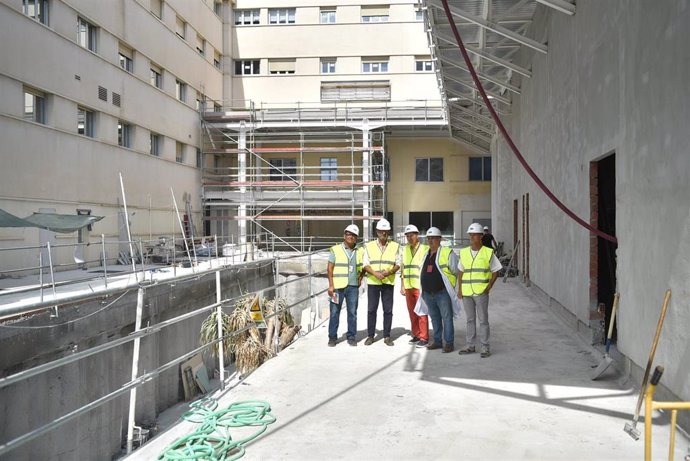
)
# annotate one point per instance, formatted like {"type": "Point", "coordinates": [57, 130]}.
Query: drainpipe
{"type": "Point", "coordinates": [135, 369]}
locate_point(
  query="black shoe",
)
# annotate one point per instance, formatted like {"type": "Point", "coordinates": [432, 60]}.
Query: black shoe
{"type": "Point", "coordinates": [422, 343]}
{"type": "Point", "coordinates": [331, 342]}
{"type": "Point", "coordinates": [413, 340]}
{"type": "Point", "coordinates": [369, 341]}
{"type": "Point", "coordinates": [352, 342]}
{"type": "Point", "coordinates": [388, 341]}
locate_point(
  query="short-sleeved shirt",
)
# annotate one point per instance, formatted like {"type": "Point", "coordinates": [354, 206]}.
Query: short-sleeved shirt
{"type": "Point", "coordinates": [352, 257]}
{"type": "Point", "coordinates": [431, 279]}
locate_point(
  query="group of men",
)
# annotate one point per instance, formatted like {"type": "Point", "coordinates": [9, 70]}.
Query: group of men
{"type": "Point", "coordinates": [434, 281]}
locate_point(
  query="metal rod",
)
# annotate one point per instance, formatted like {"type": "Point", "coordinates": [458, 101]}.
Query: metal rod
{"type": "Point", "coordinates": [40, 271]}
{"type": "Point", "coordinates": [219, 319]}
{"type": "Point", "coordinates": [52, 275]}
{"type": "Point", "coordinates": [105, 262]}
{"type": "Point", "coordinates": [135, 371]}
{"type": "Point", "coordinates": [129, 232]}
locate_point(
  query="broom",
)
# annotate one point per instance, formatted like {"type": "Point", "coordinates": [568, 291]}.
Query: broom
{"type": "Point", "coordinates": [607, 360]}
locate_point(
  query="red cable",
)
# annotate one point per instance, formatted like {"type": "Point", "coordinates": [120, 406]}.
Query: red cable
{"type": "Point", "coordinates": [509, 140]}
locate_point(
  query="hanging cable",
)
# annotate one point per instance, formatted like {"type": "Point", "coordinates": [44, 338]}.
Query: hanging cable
{"type": "Point", "coordinates": [509, 140]}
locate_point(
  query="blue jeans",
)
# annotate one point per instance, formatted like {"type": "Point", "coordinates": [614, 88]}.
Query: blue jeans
{"type": "Point", "coordinates": [351, 296]}
{"type": "Point", "coordinates": [441, 313]}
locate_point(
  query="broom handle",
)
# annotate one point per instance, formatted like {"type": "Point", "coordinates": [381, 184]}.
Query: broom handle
{"type": "Point", "coordinates": [616, 298]}
{"type": "Point", "coordinates": [643, 388]}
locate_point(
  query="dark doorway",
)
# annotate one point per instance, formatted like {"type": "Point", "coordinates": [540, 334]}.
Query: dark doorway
{"type": "Point", "coordinates": [606, 222]}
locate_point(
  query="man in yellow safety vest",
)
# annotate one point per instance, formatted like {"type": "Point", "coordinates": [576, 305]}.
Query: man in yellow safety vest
{"type": "Point", "coordinates": [413, 255]}
{"type": "Point", "coordinates": [381, 262]}
{"type": "Point", "coordinates": [478, 268]}
{"type": "Point", "coordinates": [344, 277]}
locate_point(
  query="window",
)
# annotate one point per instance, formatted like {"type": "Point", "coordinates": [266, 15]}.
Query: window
{"type": "Point", "coordinates": [216, 59]}
{"type": "Point", "coordinates": [157, 8]}
{"type": "Point", "coordinates": [217, 7]}
{"type": "Point", "coordinates": [429, 169]}
{"type": "Point", "coordinates": [281, 66]}
{"type": "Point", "coordinates": [200, 44]}
{"type": "Point", "coordinates": [329, 169]}
{"type": "Point", "coordinates": [419, 15]}
{"type": "Point", "coordinates": [375, 65]}
{"type": "Point", "coordinates": [85, 122]}
{"type": "Point", "coordinates": [327, 16]}
{"type": "Point", "coordinates": [426, 219]}
{"type": "Point", "coordinates": [154, 148]}
{"type": "Point", "coordinates": [199, 105]}
{"type": "Point", "coordinates": [356, 91]}
{"type": "Point", "coordinates": [281, 167]}
{"type": "Point", "coordinates": [36, 9]}
{"type": "Point", "coordinates": [180, 27]}
{"type": "Point", "coordinates": [124, 134]}
{"type": "Point", "coordinates": [180, 90]}
{"type": "Point", "coordinates": [375, 13]}
{"type": "Point", "coordinates": [156, 77]}
{"type": "Point", "coordinates": [281, 16]}
{"type": "Point", "coordinates": [246, 17]}
{"type": "Point", "coordinates": [480, 168]}
{"type": "Point", "coordinates": [199, 158]}
{"type": "Point", "coordinates": [86, 34]}
{"type": "Point", "coordinates": [424, 64]}
{"type": "Point", "coordinates": [328, 66]}
{"type": "Point", "coordinates": [247, 67]}
{"type": "Point", "coordinates": [179, 152]}
{"type": "Point", "coordinates": [126, 61]}
{"type": "Point", "coordinates": [34, 106]}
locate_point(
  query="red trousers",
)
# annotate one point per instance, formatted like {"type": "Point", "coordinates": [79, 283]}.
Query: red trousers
{"type": "Point", "coordinates": [420, 323]}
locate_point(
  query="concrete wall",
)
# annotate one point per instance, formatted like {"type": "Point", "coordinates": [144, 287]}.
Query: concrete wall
{"type": "Point", "coordinates": [98, 434]}
{"type": "Point", "coordinates": [613, 81]}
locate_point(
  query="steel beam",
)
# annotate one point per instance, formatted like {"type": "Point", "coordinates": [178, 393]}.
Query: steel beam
{"type": "Point", "coordinates": [559, 5]}
{"type": "Point", "coordinates": [488, 78]}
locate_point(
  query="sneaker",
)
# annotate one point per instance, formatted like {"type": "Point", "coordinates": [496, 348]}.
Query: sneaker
{"type": "Point", "coordinates": [413, 340]}
{"type": "Point", "coordinates": [388, 341]}
{"type": "Point", "coordinates": [433, 346]}
{"type": "Point", "coordinates": [331, 342]}
{"type": "Point", "coordinates": [486, 352]}
{"type": "Point", "coordinates": [467, 350]}
{"type": "Point", "coordinates": [422, 343]}
{"type": "Point", "coordinates": [448, 348]}
{"type": "Point", "coordinates": [352, 342]}
{"type": "Point", "coordinates": [369, 341]}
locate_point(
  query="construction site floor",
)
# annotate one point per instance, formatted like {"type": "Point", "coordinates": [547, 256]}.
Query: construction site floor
{"type": "Point", "coordinates": [532, 399]}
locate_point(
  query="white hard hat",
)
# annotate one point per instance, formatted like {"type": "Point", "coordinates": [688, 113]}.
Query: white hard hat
{"type": "Point", "coordinates": [410, 228]}
{"type": "Point", "coordinates": [383, 225]}
{"type": "Point", "coordinates": [352, 228]}
{"type": "Point", "coordinates": [486, 227]}
{"type": "Point", "coordinates": [475, 228]}
{"type": "Point", "coordinates": [433, 232]}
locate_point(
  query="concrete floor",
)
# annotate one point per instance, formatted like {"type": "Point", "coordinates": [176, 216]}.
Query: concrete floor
{"type": "Point", "coordinates": [532, 399]}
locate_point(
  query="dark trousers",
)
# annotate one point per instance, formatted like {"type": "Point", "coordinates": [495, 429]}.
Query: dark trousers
{"type": "Point", "coordinates": [385, 292]}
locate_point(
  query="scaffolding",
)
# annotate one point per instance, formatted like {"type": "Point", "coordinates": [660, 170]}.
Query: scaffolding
{"type": "Point", "coordinates": [301, 173]}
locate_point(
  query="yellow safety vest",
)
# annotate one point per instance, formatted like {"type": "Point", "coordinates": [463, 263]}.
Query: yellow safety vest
{"type": "Point", "coordinates": [341, 269]}
{"type": "Point", "coordinates": [412, 265]}
{"type": "Point", "coordinates": [477, 271]}
{"type": "Point", "coordinates": [443, 257]}
{"type": "Point", "coordinates": [381, 261]}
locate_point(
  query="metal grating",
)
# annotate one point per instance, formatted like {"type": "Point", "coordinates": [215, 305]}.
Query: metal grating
{"type": "Point", "coordinates": [102, 94]}
{"type": "Point", "coordinates": [116, 99]}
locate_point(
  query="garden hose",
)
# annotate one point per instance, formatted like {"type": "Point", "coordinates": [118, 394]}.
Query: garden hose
{"type": "Point", "coordinates": [212, 439]}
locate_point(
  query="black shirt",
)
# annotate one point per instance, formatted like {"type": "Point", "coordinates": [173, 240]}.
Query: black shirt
{"type": "Point", "coordinates": [487, 239]}
{"type": "Point", "coordinates": [431, 280]}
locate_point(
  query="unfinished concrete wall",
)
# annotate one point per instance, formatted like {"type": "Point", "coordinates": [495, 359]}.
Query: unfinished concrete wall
{"type": "Point", "coordinates": [98, 434]}
{"type": "Point", "coordinates": [614, 80]}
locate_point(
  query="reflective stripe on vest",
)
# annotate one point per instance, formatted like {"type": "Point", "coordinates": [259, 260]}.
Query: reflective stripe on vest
{"type": "Point", "coordinates": [477, 270]}
{"type": "Point", "coordinates": [412, 265]}
{"type": "Point", "coordinates": [381, 261]}
{"type": "Point", "coordinates": [341, 267]}
{"type": "Point", "coordinates": [443, 257]}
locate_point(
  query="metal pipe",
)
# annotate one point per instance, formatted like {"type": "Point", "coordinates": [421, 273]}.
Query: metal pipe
{"type": "Point", "coordinates": [105, 262]}
{"type": "Point", "coordinates": [135, 371]}
{"type": "Point", "coordinates": [52, 275]}
{"type": "Point", "coordinates": [219, 320]}
{"type": "Point", "coordinates": [40, 271]}
{"type": "Point", "coordinates": [129, 232]}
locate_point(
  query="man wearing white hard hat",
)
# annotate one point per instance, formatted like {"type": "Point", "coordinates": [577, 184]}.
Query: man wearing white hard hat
{"type": "Point", "coordinates": [381, 262]}
{"type": "Point", "coordinates": [439, 299]}
{"type": "Point", "coordinates": [488, 239]}
{"type": "Point", "coordinates": [413, 255]}
{"type": "Point", "coordinates": [479, 268]}
{"type": "Point", "coordinates": [345, 264]}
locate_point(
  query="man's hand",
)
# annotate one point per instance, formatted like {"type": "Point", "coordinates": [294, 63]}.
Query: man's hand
{"type": "Point", "coordinates": [402, 289]}
{"type": "Point", "coordinates": [379, 275]}
{"type": "Point", "coordinates": [331, 290]}
{"type": "Point", "coordinates": [460, 294]}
